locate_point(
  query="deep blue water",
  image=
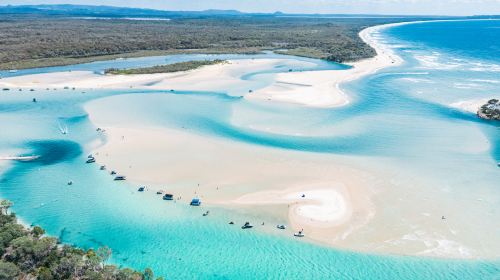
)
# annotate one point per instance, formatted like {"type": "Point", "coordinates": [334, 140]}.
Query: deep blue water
{"type": "Point", "coordinates": [400, 113]}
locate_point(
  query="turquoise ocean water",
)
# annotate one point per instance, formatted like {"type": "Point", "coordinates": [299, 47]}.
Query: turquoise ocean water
{"type": "Point", "coordinates": [400, 113]}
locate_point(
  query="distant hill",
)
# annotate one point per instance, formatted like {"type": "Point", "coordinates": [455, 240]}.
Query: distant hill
{"type": "Point", "coordinates": [107, 11]}
{"type": "Point", "coordinates": [111, 11]}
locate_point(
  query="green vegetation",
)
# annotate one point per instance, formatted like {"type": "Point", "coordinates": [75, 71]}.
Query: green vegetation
{"type": "Point", "coordinates": [169, 68]}
{"type": "Point", "coordinates": [28, 254]}
{"type": "Point", "coordinates": [39, 40]}
{"type": "Point", "coordinates": [490, 110]}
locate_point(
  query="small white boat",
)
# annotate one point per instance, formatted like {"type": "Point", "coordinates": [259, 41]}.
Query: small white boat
{"type": "Point", "coordinates": [20, 158]}
{"type": "Point", "coordinates": [13, 71]}
{"type": "Point", "coordinates": [299, 234]}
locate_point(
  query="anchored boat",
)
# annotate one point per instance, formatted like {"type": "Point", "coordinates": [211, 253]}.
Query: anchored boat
{"type": "Point", "coordinates": [299, 234]}
{"type": "Point", "coordinates": [246, 225]}
{"type": "Point", "coordinates": [195, 202]}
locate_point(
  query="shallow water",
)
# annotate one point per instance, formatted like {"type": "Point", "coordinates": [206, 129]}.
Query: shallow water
{"type": "Point", "coordinates": [399, 114]}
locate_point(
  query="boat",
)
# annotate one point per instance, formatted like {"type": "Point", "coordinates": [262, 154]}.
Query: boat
{"type": "Point", "coordinates": [141, 189]}
{"type": "Point", "coordinates": [281, 226]}
{"type": "Point", "coordinates": [168, 196]}
{"type": "Point", "coordinates": [246, 225]}
{"type": "Point", "coordinates": [299, 234]}
{"type": "Point", "coordinates": [195, 202]}
{"type": "Point", "coordinates": [231, 223]}
{"type": "Point", "coordinates": [103, 167]}
{"type": "Point", "coordinates": [90, 160]}
{"type": "Point", "coordinates": [90, 156]}
{"type": "Point", "coordinates": [159, 192]}
{"type": "Point", "coordinates": [120, 178]}
{"type": "Point", "coordinates": [13, 71]}
{"type": "Point", "coordinates": [112, 172]}
{"type": "Point", "coordinates": [20, 158]}
{"type": "Point", "coordinates": [70, 183]}
{"type": "Point", "coordinates": [206, 213]}
{"type": "Point", "coordinates": [498, 164]}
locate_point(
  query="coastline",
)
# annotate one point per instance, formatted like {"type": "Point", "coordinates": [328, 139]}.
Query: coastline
{"type": "Point", "coordinates": [321, 89]}
{"type": "Point", "coordinates": [257, 179]}
{"type": "Point", "coordinates": [336, 196]}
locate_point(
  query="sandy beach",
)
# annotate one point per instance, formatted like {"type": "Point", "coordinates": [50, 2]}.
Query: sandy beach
{"type": "Point", "coordinates": [471, 106]}
{"type": "Point", "coordinates": [208, 78]}
{"type": "Point", "coordinates": [323, 88]}
{"type": "Point", "coordinates": [308, 88]}
{"type": "Point", "coordinates": [336, 200]}
{"type": "Point", "coordinates": [327, 199]}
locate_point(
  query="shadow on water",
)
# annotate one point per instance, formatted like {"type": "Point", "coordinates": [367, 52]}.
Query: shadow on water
{"type": "Point", "coordinates": [53, 152]}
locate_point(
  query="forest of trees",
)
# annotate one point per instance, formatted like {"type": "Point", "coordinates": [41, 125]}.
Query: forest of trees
{"type": "Point", "coordinates": [168, 68]}
{"type": "Point", "coordinates": [29, 254]}
{"type": "Point", "coordinates": [34, 41]}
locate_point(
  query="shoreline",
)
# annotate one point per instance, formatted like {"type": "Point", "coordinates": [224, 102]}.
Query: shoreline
{"type": "Point", "coordinates": [335, 204]}
{"type": "Point", "coordinates": [324, 87]}
{"type": "Point", "coordinates": [321, 89]}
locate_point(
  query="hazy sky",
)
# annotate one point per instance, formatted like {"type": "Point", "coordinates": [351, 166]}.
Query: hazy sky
{"type": "Point", "coordinates": [441, 7]}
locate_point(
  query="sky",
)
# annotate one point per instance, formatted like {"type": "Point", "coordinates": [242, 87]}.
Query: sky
{"type": "Point", "coordinates": [406, 7]}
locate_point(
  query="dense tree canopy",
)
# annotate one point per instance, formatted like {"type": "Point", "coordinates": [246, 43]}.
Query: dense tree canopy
{"type": "Point", "coordinates": [29, 41]}
{"type": "Point", "coordinates": [26, 254]}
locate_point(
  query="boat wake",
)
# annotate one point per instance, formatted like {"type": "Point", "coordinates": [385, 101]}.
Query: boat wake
{"type": "Point", "coordinates": [63, 128]}
{"type": "Point", "coordinates": [20, 158]}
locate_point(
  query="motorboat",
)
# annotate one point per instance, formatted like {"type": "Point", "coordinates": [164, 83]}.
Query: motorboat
{"type": "Point", "coordinates": [159, 192]}
{"type": "Point", "coordinates": [141, 189]}
{"type": "Point", "coordinates": [168, 196]}
{"type": "Point", "coordinates": [90, 160]}
{"type": "Point", "coordinates": [299, 234]}
{"type": "Point", "coordinates": [70, 183]}
{"type": "Point", "coordinates": [246, 226]}
{"type": "Point", "coordinates": [112, 172]}
{"type": "Point", "coordinates": [206, 213]}
{"type": "Point", "coordinates": [195, 202]}
{"type": "Point", "coordinates": [281, 226]}
{"type": "Point", "coordinates": [103, 167]}
{"type": "Point", "coordinates": [120, 178]}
